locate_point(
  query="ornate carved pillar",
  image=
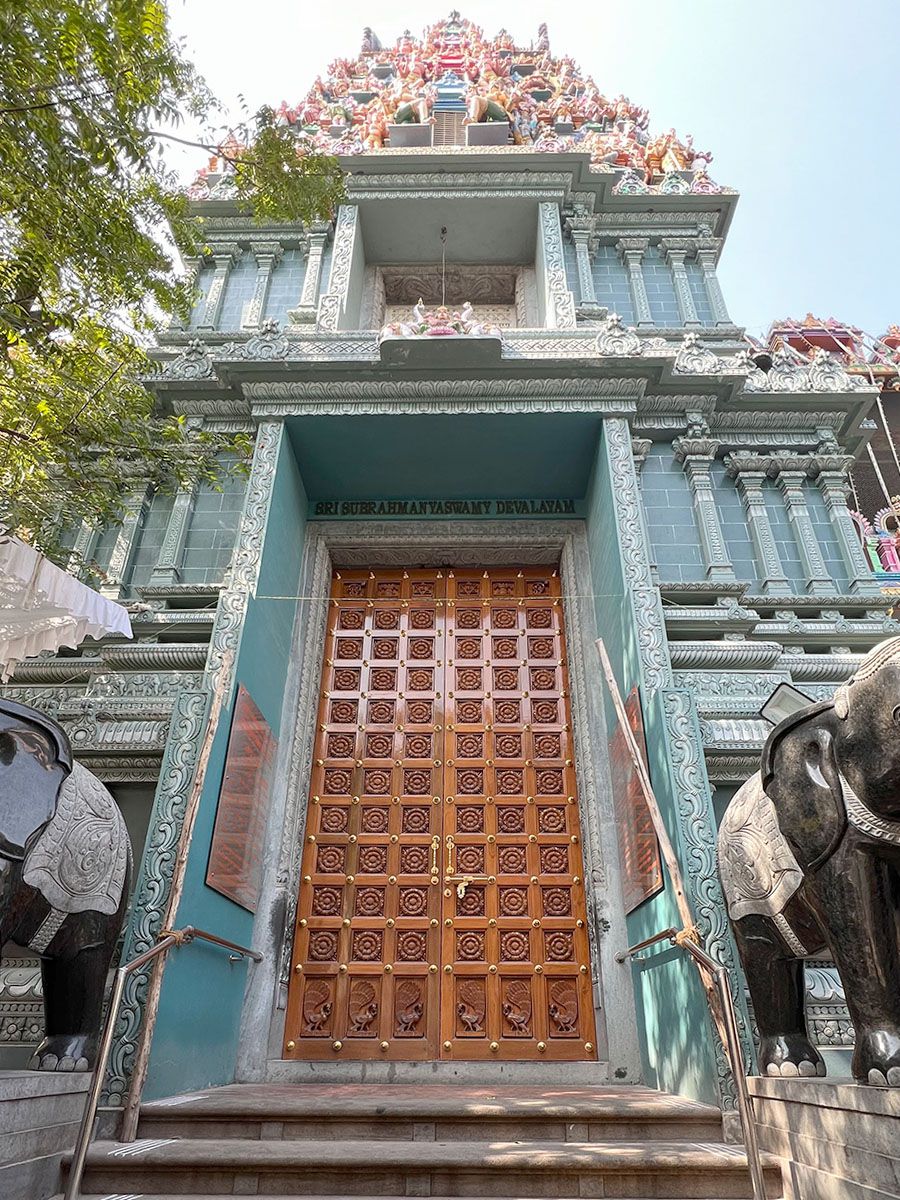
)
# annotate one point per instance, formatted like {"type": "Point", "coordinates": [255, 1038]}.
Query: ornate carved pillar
{"type": "Point", "coordinates": [707, 253]}
{"type": "Point", "coordinates": [831, 480]}
{"type": "Point", "coordinates": [193, 263]}
{"type": "Point", "coordinates": [559, 304]}
{"type": "Point", "coordinates": [316, 241]}
{"type": "Point", "coordinates": [791, 474]}
{"type": "Point", "coordinates": [332, 306]}
{"type": "Point", "coordinates": [167, 566]}
{"type": "Point", "coordinates": [85, 543]}
{"type": "Point", "coordinates": [696, 455]}
{"type": "Point", "coordinates": [582, 231]}
{"type": "Point", "coordinates": [640, 448]}
{"type": "Point", "coordinates": [676, 251]}
{"type": "Point", "coordinates": [123, 550]}
{"type": "Point", "coordinates": [224, 258]}
{"type": "Point", "coordinates": [268, 255]}
{"type": "Point", "coordinates": [632, 251]}
{"type": "Point", "coordinates": [749, 470]}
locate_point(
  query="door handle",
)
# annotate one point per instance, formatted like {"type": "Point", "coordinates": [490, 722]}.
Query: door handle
{"type": "Point", "coordinates": [450, 848]}
{"type": "Point", "coordinates": [462, 882]}
{"type": "Point", "coordinates": [435, 852]}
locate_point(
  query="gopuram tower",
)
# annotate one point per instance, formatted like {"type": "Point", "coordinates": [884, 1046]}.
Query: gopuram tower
{"type": "Point", "coordinates": [500, 410]}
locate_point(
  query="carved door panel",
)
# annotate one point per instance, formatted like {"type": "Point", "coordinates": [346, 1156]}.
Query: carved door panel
{"type": "Point", "coordinates": [367, 944]}
{"type": "Point", "coordinates": [441, 909]}
{"type": "Point", "coordinates": [515, 960]}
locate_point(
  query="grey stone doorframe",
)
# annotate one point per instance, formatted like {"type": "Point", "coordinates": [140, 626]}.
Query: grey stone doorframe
{"type": "Point", "coordinates": [331, 545]}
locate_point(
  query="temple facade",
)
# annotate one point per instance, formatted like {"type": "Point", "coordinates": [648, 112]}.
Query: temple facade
{"type": "Point", "coordinates": [500, 410]}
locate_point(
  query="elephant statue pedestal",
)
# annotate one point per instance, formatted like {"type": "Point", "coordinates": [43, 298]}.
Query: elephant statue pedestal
{"type": "Point", "coordinates": [65, 868]}
{"type": "Point", "coordinates": [809, 857]}
{"type": "Point", "coordinates": [835, 1140]}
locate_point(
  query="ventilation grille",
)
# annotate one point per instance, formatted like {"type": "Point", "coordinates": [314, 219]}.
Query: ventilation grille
{"type": "Point", "coordinates": [449, 129]}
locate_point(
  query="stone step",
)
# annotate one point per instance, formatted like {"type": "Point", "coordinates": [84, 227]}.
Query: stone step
{"type": "Point", "coordinates": [201, 1166]}
{"type": "Point", "coordinates": [432, 1114]}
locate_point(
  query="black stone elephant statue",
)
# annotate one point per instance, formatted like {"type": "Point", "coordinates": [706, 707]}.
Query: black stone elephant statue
{"type": "Point", "coordinates": [809, 857]}
{"type": "Point", "coordinates": [65, 867]}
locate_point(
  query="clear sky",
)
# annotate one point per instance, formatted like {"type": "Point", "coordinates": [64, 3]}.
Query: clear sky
{"type": "Point", "coordinates": [797, 100]}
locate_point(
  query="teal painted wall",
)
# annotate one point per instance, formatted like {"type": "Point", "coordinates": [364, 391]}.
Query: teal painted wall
{"type": "Point", "coordinates": [196, 1036]}
{"type": "Point", "coordinates": [674, 1026]}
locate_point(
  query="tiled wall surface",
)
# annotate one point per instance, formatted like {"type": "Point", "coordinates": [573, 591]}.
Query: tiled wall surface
{"type": "Point", "coordinates": [214, 521]}
{"type": "Point", "coordinates": [675, 539]}
{"type": "Point", "coordinates": [611, 283]}
{"type": "Point", "coordinates": [149, 538]}
{"type": "Point", "coordinates": [286, 286]}
{"type": "Point", "coordinates": [670, 518]}
{"type": "Point", "coordinates": [612, 291]}
{"type": "Point", "coordinates": [660, 288]}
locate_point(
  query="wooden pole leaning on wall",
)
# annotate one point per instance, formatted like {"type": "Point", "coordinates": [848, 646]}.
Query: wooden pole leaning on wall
{"type": "Point", "coordinates": [662, 834]}
{"type": "Point", "coordinates": [151, 1004]}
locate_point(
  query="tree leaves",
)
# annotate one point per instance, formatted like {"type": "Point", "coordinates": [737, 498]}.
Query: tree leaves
{"type": "Point", "coordinates": [87, 90]}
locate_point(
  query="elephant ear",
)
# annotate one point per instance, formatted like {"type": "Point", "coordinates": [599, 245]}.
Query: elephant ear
{"type": "Point", "coordinates": [800, 773]}
{"type": "Point", "coordinates": [822, 769]}
{"type": "Point", "coordinates": [34, 761]}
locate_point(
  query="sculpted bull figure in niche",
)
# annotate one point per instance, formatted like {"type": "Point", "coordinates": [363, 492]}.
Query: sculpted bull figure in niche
{"type": "Point", "coordinates": [65, 866]}
{"type": "Point", "coordinates": [809, 856]}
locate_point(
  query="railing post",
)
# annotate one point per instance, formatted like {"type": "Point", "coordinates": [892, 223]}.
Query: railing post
{"type": "Point", "coordinates": [173, 937]}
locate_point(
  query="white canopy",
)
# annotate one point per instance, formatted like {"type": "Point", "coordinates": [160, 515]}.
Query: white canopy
{"type": "Point", "coordinates": [43, 608]}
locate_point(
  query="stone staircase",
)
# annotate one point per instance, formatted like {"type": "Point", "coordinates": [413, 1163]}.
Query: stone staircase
{"type": "Point", "coordinates": [399, 1141]}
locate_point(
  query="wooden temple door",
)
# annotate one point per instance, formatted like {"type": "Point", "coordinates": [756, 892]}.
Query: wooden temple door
{"type": "Point", "coordinates": [441, 910]}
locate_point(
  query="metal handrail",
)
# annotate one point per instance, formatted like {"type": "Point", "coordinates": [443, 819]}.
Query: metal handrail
{"type": "Point", "coordinates": [168, 938]}
{"type": "Point", "coordinates": [731, 1040]}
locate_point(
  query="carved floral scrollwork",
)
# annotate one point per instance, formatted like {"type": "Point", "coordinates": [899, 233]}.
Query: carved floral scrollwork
{"type": "Point", "coordinates": [693, 358]}
{"type": "Point", "coordinates": [615, 339]}
{"type": "Point", "coordinates": [268, 345]}
{"type": "Point", "coordinates": [151, 892]}
{"type": "Point", "coordinates": [193, 362]}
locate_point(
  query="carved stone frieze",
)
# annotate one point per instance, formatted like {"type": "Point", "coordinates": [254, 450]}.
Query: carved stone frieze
{"type": "Point", "coordinates": [143, 685]}
{"type": "Point", "coordinates": [735, 684]}
{"type": "Point", "coordinates": [21, 1001]}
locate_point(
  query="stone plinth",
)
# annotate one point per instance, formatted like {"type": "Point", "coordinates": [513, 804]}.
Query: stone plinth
{"type": "Point", "coordinates": [409, 134]}
{"type": "Point", "coordinates": [839, 1141]}
{"type": "Point", "coordinates": [39, 1117]}
{"type": "Point", "coordinates": [491, 133]}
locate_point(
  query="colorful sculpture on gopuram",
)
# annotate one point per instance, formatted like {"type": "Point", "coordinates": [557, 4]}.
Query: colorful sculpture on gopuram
{"type": "Point", "coordinates": [545, 102]}
{"type": "Point", "coordinates": [875, 477]}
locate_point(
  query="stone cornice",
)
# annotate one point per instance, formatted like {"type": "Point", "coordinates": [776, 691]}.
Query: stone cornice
{"type": "Point", "coordinates": [609, 396]}
{"type": "Point", "coordinates": [460, 185]}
